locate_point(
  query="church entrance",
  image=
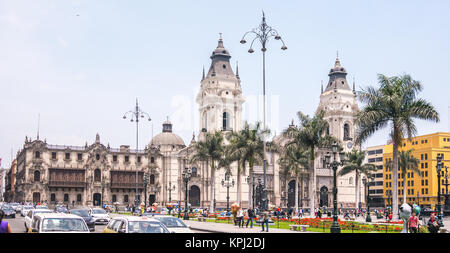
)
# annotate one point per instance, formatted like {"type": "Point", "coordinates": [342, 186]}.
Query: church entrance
{"type": "Point", "coordinates": [194, 196]}
{"type": "Point", "coordinates": [151, 199]}
{"type": "Point", "coordinates": [97, 199]}
{"type": "Point", "coordinates": [323, 196]}
{"type": "Point", "coordinates": [291, 194]}
{"type": "Point", "coordinates": [36, 197]}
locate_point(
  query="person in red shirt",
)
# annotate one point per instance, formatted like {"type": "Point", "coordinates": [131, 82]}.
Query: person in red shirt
{"type": "Point", "coordinates": [390, 216]}
{"type": "Point", "coordinates": [413, 222]}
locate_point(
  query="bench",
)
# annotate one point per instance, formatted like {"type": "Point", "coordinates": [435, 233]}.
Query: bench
{"type": "Point", "coordinates": [443, 230]}
{"type": "Point", "coordinates": [302, 227]}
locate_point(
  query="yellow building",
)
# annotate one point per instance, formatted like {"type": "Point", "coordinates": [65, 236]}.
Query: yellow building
{"type": "Point", "coordinates": [374, 155]}
{"type": "Point", "coordinates": [420, 189]}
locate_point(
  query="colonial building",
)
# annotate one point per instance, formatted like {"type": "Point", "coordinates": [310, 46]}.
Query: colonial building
{"type": "Point", "coordinates": [96, 173]}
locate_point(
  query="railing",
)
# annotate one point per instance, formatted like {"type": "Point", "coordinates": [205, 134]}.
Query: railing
{"type": "Point", "coordinates": [127, 185]}
{"type": "Point", "coordinates": [66, 184]}
{"type": "Point", "coordinates": [62, 147]}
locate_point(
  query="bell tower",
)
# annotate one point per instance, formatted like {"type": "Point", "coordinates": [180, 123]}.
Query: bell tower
{"type": "Point", "coordinates": [220, 96]}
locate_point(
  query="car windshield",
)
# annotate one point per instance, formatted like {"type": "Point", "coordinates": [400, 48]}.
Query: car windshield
{"type": "Point", "coordinates": [63, 224]}
{"type": "Point", "coordinates": [82, 213]}
{"type": "Point", "coordinates": [42, 211]}
{"type": "Point", "coordinates": [171, 222]}
{"type": "Point", "coordinates": [146, 227]}
{"type": "Point", "coordinates": [27, 207]}
{"type": "Point", "coordinates": [41, 207]}
{"type": "Point", "coordinates": [98, 211]}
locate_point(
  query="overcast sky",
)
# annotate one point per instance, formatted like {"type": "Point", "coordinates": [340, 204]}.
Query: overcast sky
{"type": "Point", "coordinates": [82, 64]}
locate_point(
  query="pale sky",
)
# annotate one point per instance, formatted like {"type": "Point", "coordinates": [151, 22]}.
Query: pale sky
{"type": "Point", "coordinates": [82, 64]}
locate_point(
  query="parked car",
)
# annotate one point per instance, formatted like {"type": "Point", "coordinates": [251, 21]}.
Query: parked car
{"type": "Point", "coordinates": [61, 209]}
{"type": "Point", "coordinates": [149, 214]}
{"type": "Point", "coordinates": [173, 224]}
{"type": "Point", "coordinates": [30, 216]}
{"type": "Point", "coordinates": [84, 213]}
{"type": "Point", "coordinates": [135, 224]}
{"type": "Point", "coordinates": [25, 210]}
{"type": "Point", "coordinates": [99, 215]}
{"type": "Point", "coordinates": [41, 207]}
{"type": "Point", "coordinates": [58, 223]}
{"type": "Point", "coordinates": [9, 211]}
{"type": "Point", "coordinates": [15, 206]}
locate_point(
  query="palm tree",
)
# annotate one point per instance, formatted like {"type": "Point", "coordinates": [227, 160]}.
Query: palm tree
{"type": "Point", "coordinates": [394, 104]}
{"type": "Point", "coordinates": [209, 150]}
{"type": "Point", "coordinates": [252, 148]}
{"type": "Point", "coordinates": [354, 163]}
{"type": "Point", "coordinates": [295, 161]}
{"type": "Point", "coordinates": [406, 162]}
{"type": "Point", "coordinates": [228, 157]}
{"type": "Point", "coordinates": [310, 135]}
{"type": "Point", "coordinates": [236, 144]}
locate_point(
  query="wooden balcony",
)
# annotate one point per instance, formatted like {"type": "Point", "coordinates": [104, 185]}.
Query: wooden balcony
{"type": "Point", "coordinates": [66, 184]}
{"type": "Point", "coordinates": [116, 185]}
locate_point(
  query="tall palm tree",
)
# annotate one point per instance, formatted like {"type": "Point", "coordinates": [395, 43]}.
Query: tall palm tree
{"type": "Point", "coordinates": [209, 150]}
{"type": "Point", "coordinates": [252, 148]}
{"type": "Point", "coordinates": [310, 135]}
{"type": "Point", "coordinates": [295, 159]}
{"type": "Point", "coordinates": [237, 142]}
{"type": "Point", "coordinates": [228, 157]}
{"type": "Point", "coordinates": [394, 104]}
{"type": "Point", "coordinates": [406, 162]}
{"type": "Point", "coordinates": [354, 163]}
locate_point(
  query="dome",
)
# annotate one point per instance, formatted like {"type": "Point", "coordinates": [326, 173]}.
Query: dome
{"type": "Point", "coordinates": [167, 138]}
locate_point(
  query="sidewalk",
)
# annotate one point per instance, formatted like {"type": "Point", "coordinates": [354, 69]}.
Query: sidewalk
{"type": "Point", "coordinates": [213, 227]}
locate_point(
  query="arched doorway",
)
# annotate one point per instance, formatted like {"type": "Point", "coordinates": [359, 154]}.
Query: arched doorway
{"type": "Point", "coordinates": [97, 199]}
{"type": "Point", "coordinates": [151, 199]}
{"type": "Point", "coordinates": [194, 196]}
{"type": "Point", "coordinates": [323, 196]}
{"type": "Point", "coordinates": [36, 197]}
{"type": "Point", "coordinates": [291, 194]}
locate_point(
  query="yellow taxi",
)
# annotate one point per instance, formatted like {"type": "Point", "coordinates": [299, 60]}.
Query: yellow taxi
{"type": "Point", "coordinates": [135, 224]}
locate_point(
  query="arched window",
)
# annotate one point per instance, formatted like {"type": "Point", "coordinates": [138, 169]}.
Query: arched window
{"type": "Point", "coordinates": [37, 176]}
{"type": "Point", "coordinates": [225, 121]}
{"type": "Point", "coordinates": [79, 198]}
{"type": "Point", "coordinates": [114, 198]}
{"type": "Point", "coordinates": [152, 179]}
{"type": "Point", "coordinates": [346, 132]}
{"type": "Point", "coordinates": [125, 198]}
{"type": "Point", "coordinates": [66, 197]}
{"type": "Point", "coordinates": [152, 159]}
{"type": "Point", "coordinates": [53, 197]}
{"type": "Point", "coordinates": [37, 154]}
{"type": "Point", "coordinates": [97, 175]}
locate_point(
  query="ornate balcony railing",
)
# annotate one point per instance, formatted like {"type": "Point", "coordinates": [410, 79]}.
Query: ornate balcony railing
{"type": "Point", "coordinates": [53, 183]}
{"type": "Point", "coordinates": [127, 185]}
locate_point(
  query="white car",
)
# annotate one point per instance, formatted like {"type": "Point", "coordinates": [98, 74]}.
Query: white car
{"type": "Point", "coordinates": [58, 223]}
{"type": "Point", "coordinates": [25, 210]}
{"type": "Point", "coordinates": [173, 224]}
{"type": "Point", "coordinates": [99, 215]}
{"type": "Point", "coordinates": [135, 224]}
{"type": "Point", "coordinates": [30, 216]}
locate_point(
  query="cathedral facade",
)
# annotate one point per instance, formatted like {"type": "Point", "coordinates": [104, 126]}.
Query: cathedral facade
{"type": "Point", "coordinates": [94, 174]}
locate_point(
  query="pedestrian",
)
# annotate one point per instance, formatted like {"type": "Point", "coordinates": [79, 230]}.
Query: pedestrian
{"type": "Point", "coordinates": [390, 216]}
{"type": "Point", "coordinates": [4, 226]}
{"type": "Point", "coordinates": [240, 217]}
{"type": "Point", "coordinates": [433, 225]}
{"type": "Point", "coordinates": [413, 221]}
{"type": "Point", "coordinates": [251, 215]}
{"type": "Point", "coordinates": [265, 220]}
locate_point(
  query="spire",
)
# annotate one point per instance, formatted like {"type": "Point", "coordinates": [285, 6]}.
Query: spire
{"type": "Point", "coordinates": [97, 139]}
{"type": "Point", "coordinates": [193, 138]}
{"type": "Point", "coordinates": [337, 76]}
{"type": "Point", "coordinates": [237, 70]}
{"type": "Point", "coordinates": [39, 119]}
{"type": "Point", "coordinates": [321, 86]}
{"type": "Point", "coordinates": [167, 126]}
{"type": "Point", "coordinates": [354, 91]}
{"type": "Point", "coordinates": [203, 76]}
{"type": "Point", "coordinates": [220, 43]}
{"type": "Point", "coordinates": [337, 63]}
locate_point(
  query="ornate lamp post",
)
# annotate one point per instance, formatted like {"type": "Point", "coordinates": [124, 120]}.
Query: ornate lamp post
{"type": "Point", "coordinates": [135, 115]}
{"type": "Point", "coordinates": [228, 183]}
{"type": "Point", "coordinates": [370, 178]}
{"type": "Point", "coordinates": [186, 176]}
{"type": "Point", "coordinates": [170, 188]}
{"type": "Point", "coordinates": [103, 188]}
{"type": "Point", "coordinates": [439, 166]}
{"type": "Point", "coordinates": [263, 33]}
{"type": "Point", "coordinates": [145, 190]}
{"type": "Point", "coordinates": [334, 165]}
{"type": "Point", "coordinates": [251, 183]}
{"type": "Point", "coordinates": [447, 202]}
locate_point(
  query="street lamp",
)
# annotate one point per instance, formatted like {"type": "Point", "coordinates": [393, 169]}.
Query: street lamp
{"type": "Point", "coordinates": [228, 183]}
{"type": "Point", "coordinates": [145, 190]}
{"type": "Point", "coordinates": [170, 188]}
{"type": "Point", "coordinates": [370, 178]}
{"type": "Point", "coordinates": [135, 115]}
{"type": "Point", "coordinates": [262, 33]}
{"type": "Point", "coordinates": [251, 183]}
{"type": "Point", "coordinates": [103, 187]}
{"type": "Point", "coordinates": [439, 166]}
{"type": "Point", "coordinates": [334, 165]}
{"type": "Point", "coordinates": [186, 176]}
{"type": "Point", "coordinates": [446, 203]}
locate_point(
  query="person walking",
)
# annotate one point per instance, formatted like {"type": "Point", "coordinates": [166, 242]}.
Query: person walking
{"type": "Point", "coordinates": [265, 220]}
{"type": "Point", "coordinates": [413, 221]}
{"type": "Point", "coordinates": [4, 226]}
{"type": "Point", "coordinates": [240, 218]}
{"type": "Point", "coordinates": [251, 215]}
{"type": "Point", "coordinates": [433, 225]}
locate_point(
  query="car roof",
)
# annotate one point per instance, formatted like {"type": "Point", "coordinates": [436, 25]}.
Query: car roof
{"type": "Point", "coordinates": [135, 218]}
{"type": "Point", "coordinates": [57, 215]}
